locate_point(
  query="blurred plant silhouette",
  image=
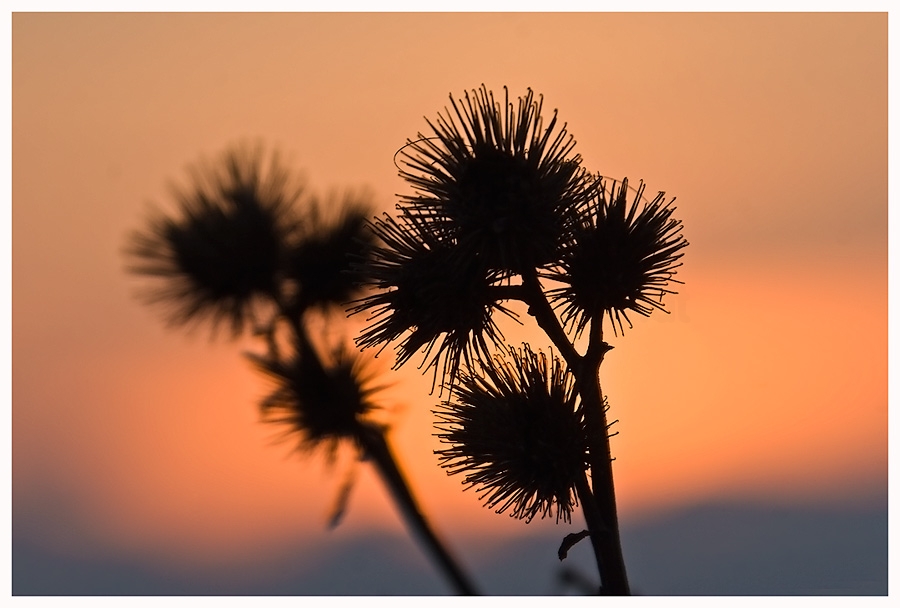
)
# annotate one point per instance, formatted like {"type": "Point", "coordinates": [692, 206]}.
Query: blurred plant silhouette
{"type": "Point", "coordinates": [502, 215]}
{"type": "Point", "coordinates": [503, 211]}
{"type": "Point", "coordinates": [248, 249]}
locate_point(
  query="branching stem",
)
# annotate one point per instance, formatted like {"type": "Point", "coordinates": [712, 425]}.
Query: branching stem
{"type": "Point", "coordinates": [598, 500]}
{"type": "Point", "coordinates": [540, 309]}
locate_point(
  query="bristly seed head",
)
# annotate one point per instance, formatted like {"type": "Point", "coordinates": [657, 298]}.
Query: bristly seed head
{"type": "Point", "coordinates": [495, 181]}
{"type": "Point", "coordinates": [320, 403]}
{"type": "Point", "coordinates": [620, 257]}
{"type": "Point", "coordinates": [321, 261]}
{"type": "Point", "coordinates": [221, 257]}
{"type": "Point", "coordinates": [429, 291]}
{"type": "Point", "coordinates": [517, 432]}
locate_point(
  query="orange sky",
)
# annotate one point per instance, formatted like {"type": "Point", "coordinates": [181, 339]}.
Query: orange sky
{"type": "Point", "coordinates": [767, 382]}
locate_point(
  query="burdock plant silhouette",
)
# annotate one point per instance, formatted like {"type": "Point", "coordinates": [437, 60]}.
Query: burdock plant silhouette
{"type": "Point", "coordinates": [247, 248]}
{"type": "Point", "coordinates": [503, 211]}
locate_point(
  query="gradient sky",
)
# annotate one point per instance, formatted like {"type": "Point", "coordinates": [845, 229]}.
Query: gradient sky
{"type": "Point", "coordinates": [767, 382]}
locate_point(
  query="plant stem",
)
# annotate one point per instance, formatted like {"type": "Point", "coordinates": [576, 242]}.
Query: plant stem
{"type": "Point", "coordinates": [594, 521]}
{"type": "Point", "coordinates": [376, 446]}
{"type": "Point", "coordinates": [598, 501]}
{"type": "Point", "coordinates": [540, 309]}
{"type": "Point", "coordinates": [612, 563]}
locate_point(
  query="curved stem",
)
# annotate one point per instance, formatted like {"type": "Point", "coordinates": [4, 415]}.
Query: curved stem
{"type": "Point", "coordinates": [377, 447]}
{"type": "Point", "coordinates": [543, 314]}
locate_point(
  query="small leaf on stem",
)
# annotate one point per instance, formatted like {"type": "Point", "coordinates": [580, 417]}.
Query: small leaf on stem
{"type": "Point", "coordinates": [569, 541]}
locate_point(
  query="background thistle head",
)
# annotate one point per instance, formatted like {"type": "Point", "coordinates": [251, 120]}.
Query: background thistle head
{"type": "Point", "coordinates": [318, 403]}
{"type": "Point", "coordinates": [328, 253]}
{"type": "Point", "coordinates": [244, 243]}
{"type": "Point", "coordinates": [219, 256]}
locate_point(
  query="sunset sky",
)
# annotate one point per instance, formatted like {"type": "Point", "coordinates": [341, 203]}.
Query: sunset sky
{"type": "Point", "coordinates": [767, 383]}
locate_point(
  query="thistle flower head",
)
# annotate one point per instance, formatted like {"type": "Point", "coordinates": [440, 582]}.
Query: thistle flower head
{"type": "Point", "coordinates": [429, 292]}
{"type": "Point", "coordinates": [517, 432]}
{"type": "Point", "coordinates": [320, 404]}
{"type": "Point", "coordinates": [220, 256]}
{"type": "Point", "coordinates": [322, 258]}
{"type": "Point", "coordinates": [496, 181]}
{"type": "Point", "coordinates": [620, 257]}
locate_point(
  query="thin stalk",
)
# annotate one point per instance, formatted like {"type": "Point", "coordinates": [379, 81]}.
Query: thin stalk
{"type": "Point", "coordinates": [377, 447]}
